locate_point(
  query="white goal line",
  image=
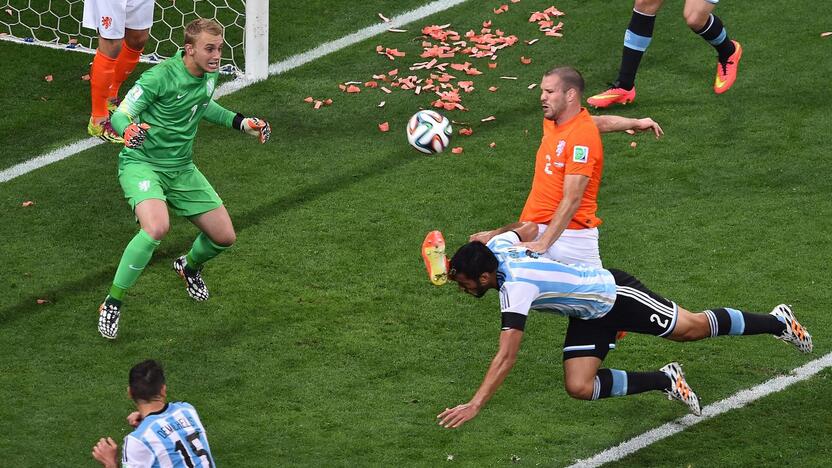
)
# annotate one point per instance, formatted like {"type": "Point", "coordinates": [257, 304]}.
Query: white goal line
{"type": "Point", "coordinates": [276, 68]}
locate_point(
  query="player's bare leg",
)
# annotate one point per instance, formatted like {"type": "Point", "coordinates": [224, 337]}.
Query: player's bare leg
{"type": "Point", "coordinates": [217, 235]}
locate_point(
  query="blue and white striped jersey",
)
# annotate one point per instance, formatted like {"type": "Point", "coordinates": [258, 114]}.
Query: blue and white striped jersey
{"type": "Point", "coordinates": [173, 437]}
{"type": "Point", "coordinates": [528, 281]}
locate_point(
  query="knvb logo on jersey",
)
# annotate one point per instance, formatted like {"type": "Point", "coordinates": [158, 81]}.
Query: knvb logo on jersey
{"type": "Point", "coordinates": [106, 22]}
{"type": "Point", "coordinates": [144, 185]}
{"type": "Point", "coordinates": [561, 146]}
{"type": "Point", "coordinates": [580, 154]}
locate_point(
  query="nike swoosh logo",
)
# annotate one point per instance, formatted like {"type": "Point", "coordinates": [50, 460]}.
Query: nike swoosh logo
{"type": "Point", "coordinates": [134, 268]}
{"type": "Point", "coordinates": [179, 96]}
{"type": "Point", "coordinates": [720, 83]}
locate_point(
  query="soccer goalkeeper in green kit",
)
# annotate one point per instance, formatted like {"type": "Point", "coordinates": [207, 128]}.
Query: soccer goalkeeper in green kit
{"type": "Point", "coordinates": [158, 120]}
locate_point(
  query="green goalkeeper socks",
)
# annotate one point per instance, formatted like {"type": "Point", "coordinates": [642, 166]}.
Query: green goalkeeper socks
{"type": "Point", "coordinates": [202, 251]}
{"type": "Point", "coordinates": [135, 257]}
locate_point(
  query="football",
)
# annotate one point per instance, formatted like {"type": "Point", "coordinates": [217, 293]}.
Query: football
{"type": "Point", "coordinates": [429, 132]}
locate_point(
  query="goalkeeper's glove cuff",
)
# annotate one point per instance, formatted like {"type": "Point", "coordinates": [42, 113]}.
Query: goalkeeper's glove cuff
{"type": "Point", "coordinates": [237, 124]}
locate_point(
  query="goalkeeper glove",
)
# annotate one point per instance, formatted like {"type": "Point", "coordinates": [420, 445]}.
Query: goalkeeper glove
{"type": "Point", "coordinates": [254, 127]}
{"type": "Point", "coordinates": [135, 134]}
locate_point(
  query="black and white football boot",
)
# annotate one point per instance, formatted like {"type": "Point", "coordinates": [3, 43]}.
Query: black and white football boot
{"type": "Point", "coordinates": [679, 389]}
{"type": "Point", "coordinates": [193, 279]}
{"type": "Point", "coordinates": [108, 315]}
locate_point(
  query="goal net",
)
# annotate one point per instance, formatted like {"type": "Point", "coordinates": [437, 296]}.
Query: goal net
{"type": "Point", "coordinates": [57, 24]}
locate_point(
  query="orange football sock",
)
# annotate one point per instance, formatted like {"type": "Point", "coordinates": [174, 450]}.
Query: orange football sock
{"type": "Point", "coordinates": [125, 64]}
{"type": "Point", "coordinates": [101, 77]}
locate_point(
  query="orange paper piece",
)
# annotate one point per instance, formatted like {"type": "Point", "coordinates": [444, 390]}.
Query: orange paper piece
{"type": "Point", "coordinates": [27, 203]}
{"type": "Point", "coordinates": [48, 78]}
{"type": "Point", "coordinates": [492, 145]}
{"type": "Point", "coordinates": [525, 60]}
{"type": "Point", "coordinates": [353, 89]}
{"type": "Point", "coordinates": [318, 104]}
{"type": "Point", "coordinates": [85, 77]}
{"type": "Point", "coordinates": [386, 90]}
{"type": "Point", "coordinates": [486, 24]}
{"type": "Point", "coordinates": [384, 126]}
{"type": "Point", "coordinates": [308, 99]}
{"type": "Point", "coordinates": [456, 150]}
{"type": "Point", "coordinates": [492, 65]}
{"type": "Point", "coordinates": [466, 131]}
{"type": "Point", "coordinates": [633, 144]}
{"type": "Point", "coordinates": [42, 301]}
{"type": "Point", "coordinates": [493, 88]}
{"type": "Point", "coordinates": [501, 9]}
{"type": "Point", "coordinates": [393, 72]}
{"type": "Point", "coordinates": [371, 84]}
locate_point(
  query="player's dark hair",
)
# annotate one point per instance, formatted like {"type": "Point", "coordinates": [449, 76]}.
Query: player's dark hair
{"type": "Point", "coordinates": [472, 260]}
{"type": "Point", "coordinates": [146, 380]}
{"type": "Point", "coordinates": [570, 77]}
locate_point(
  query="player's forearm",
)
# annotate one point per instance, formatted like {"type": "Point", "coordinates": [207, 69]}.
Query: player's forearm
{"type": "Point", "coordinates": [500, 367]}
{"type": "Point", "coordinates": [219, 115]}
{"type": "Point", "coordinates": [563, 215]}
{"type": "Point", "coordinates": [613, 123]}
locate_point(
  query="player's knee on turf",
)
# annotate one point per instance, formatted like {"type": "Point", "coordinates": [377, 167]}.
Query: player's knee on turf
{"type": "Point", "coordinates": [225, 239]}
{"type": "Point", "coordinates": [579, 389]}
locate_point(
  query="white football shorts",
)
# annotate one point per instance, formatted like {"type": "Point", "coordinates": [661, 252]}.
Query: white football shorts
{"type": "Point", "coordinates": [111, 17]}
{"type": "Point", "coordinates": [575, 246]}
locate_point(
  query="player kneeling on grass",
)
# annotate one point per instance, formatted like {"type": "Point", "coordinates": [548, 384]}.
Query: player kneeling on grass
{"type": "Point", "coordinates": [166, 434]}
{"type": "Point", "coordinates": [159, 118]}
{"type": "Point", "coordinates": [598, 303]}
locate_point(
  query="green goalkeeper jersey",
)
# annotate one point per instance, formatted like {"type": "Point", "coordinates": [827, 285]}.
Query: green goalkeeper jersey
{"type": "Point", "coordinates": [172, 102]}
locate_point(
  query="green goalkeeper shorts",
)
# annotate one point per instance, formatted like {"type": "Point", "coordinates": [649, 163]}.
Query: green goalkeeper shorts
{"type": "Point", "coordinates": [187, 192]}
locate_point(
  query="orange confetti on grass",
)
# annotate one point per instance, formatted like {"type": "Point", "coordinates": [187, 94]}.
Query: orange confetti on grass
{"type": "Point", "coordinates": [493, 88]}
{"type": "Point", "coordinates": [466, 131]}
{"type": "Point", "coordinates": [633, 144]}
{"type": "Point", "coordinates": [308, 99]}
{"type": "Point", "coordinates": [318, 105]}
{"type": "Point", "coordinates": [486, 24]}
{"type": "Point", "coordinates": [327, 102]}
{"type": "Point", "coordinates": [525, 60]}
{"type": "Point", "coordinates": [492, 145]}
{"type": "Point", "coordinates": [48, 78]}
{"type": "Point", "coordinates": [384, 127]}
{"type": "Point", "coordinates": [371, 84]}
{"type": "Point", "coordinates": [492, 65]}
{"type": "Point", "coordinates": [353, 89]}
{"type": "Point", "coordinates": [42, 301]}
{"type": "Point", "coordinates": [501, 9]}
{"type": "Point", "coordinates": [85, 77]}
{"type": "Point", "coordinates": [456, 150]}
{"type": "Point", "coordinates": [27, 203]}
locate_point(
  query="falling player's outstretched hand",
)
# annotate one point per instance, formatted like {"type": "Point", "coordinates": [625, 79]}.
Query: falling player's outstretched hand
{"type": "Point", "coordinates": [135, 134]}
{"type": "Point", "coordinates": [256, 127]}
{"type": "Point", "coordinates": [454, 417]}
{"type": "Point", "coordinates": [106, 452]}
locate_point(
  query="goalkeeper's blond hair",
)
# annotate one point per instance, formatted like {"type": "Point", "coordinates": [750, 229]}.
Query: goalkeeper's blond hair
{"type": "Point", "coordinates": [199, 25]}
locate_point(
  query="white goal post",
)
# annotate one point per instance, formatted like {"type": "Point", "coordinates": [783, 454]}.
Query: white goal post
{"type": "Point", "coordinates": [57, 24]}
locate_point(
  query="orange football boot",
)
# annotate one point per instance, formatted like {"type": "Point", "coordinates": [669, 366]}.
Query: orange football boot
{"type": "Point", "coordinates": [726, 73]}
{"type": "Point", "coordinates": [612, 96]}
{"type": "Point", "coordinates": [433, 253]}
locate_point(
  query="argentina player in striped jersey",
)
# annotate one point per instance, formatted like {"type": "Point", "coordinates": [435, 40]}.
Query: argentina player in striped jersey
{"type": "Point", "coordinates": [598, 303]}
{"type": "Point", "coordinates": [166, 434]}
